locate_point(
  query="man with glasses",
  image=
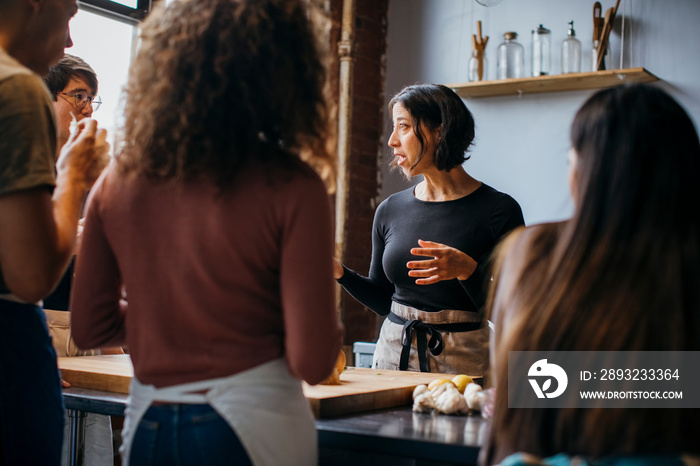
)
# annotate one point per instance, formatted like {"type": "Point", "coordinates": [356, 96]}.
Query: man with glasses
{"type": "Point", "coordinates": [40, 203]}
{"type": "Point", "coordinates": [73, 85]}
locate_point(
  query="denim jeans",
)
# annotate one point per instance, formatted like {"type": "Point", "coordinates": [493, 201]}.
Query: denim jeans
{"type": "Point", "coordinates": [186, 434]}
{"type": "Point", "coordinates": [31, 403]}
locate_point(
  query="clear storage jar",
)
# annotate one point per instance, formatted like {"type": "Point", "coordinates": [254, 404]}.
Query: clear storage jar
{"type": "Point", "coordinates": [541, 51]}
{"type": "Point", "coordinates": [478, 66]}
{"type": "Point", "coordinates": [511, 58]}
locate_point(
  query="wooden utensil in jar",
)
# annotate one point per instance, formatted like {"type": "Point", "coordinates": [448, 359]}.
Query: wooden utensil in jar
{"type": "Point", "coordinates": [605, 33]}
{"type": "Point", "coordinates": [597, 21]}
{"type": "Point", "coordinates": [479, 44]}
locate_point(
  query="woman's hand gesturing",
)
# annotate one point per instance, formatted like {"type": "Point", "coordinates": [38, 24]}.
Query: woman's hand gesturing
{"type": "Point", "coordinates": [445, 263]}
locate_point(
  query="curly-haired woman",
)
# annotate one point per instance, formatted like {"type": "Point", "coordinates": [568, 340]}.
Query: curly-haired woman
{"type": "Point", "coordinates": [220, 231]}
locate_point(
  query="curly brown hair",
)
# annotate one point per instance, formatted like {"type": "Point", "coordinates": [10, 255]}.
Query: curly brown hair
{"type": "Point", "coordinates": [218, 85]}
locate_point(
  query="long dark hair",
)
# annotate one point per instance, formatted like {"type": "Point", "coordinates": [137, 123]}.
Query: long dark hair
{"type": "Point", "coordinates": [220, 84]}
{"type": "Point", "coordinates": [621, 275]}
{"type": "Point", "coordinates": [437, 106]}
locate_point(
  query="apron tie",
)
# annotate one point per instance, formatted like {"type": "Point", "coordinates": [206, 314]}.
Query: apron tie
{"type": "Point", "coordinates": [423, 330]}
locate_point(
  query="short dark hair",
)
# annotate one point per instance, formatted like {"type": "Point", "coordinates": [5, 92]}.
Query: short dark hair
{"type": "Point", "coordinates": [438, 106]}
{"type": "Point", "coordinates": [69, 67]}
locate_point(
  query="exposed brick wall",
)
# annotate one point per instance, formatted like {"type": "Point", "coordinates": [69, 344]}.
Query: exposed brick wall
{"type": "Point", "coordinates": [368, 116]}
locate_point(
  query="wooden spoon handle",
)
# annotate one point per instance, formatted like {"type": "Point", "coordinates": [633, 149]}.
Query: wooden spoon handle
{"type": "Point", "coordinates": [604, 36]}
{"type": "Point", "coordinates": [597, 12]}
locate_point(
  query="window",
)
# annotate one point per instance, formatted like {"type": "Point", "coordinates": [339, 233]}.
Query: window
{"type": "Point", "coordinates": [131, 11]}
{"type": "Point", "coordinates": [106, 45]}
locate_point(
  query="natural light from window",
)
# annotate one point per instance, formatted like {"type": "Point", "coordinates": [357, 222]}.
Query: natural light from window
{"type": "Point", "coordinates": [105, 44]}
{"type": "Point", "coordinates": [129, 3]}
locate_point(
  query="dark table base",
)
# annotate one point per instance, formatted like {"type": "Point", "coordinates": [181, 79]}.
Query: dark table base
{"type": "Point", "coordinates": [386, 437]}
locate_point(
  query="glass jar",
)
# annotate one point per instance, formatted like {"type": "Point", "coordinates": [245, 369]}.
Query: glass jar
{"type": "Point", "coordinates": [541, 55]}
{"type": "Point", "coordinates": [571, 52]}
{"type": "Point", "coordinates": [478, 64]}
{"type": "Point", "coordinates": [605, 64]}
{"type": "Point", "coordinates": [511, 58]}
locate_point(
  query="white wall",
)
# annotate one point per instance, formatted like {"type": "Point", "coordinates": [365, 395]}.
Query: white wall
{"type": "Point", "coordinates": [521, 143]}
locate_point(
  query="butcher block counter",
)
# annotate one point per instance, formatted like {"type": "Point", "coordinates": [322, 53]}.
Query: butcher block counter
{"type": "Point", "coordinates": [361, 389]}
{"type": "Point", "coordinates": [367, 417]}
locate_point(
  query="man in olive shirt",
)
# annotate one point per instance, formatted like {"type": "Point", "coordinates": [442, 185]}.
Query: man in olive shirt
{"type": "Point", "coordinates": [40, 201]}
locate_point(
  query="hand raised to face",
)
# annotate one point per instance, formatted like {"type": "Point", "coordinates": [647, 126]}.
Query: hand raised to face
{"type": "Point", "coordinates": [85, 154]}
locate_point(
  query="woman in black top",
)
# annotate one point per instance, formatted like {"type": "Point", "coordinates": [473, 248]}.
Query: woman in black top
{"type": "Point", "coordinates": [431, 242]}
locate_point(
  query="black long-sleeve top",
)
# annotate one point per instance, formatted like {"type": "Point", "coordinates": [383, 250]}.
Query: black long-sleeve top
{"type": "Point", "coordinates": [472, 224]}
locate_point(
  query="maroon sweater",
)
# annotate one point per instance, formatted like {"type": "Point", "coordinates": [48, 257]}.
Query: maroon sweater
{"type": "Point", "coordinates": [216, 284]}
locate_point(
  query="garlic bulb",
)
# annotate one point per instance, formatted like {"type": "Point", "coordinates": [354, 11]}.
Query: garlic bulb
{"type": "Point", "coordinates": [471, 396]}
{"type": "Point", "coordinates": [440, 389]}
{"type": "Point", "coordinates": [450, 401]}
{"type": "Point", "coordinates": [420, 389]}
{"type": "Point", "coordinates": [423, 403]}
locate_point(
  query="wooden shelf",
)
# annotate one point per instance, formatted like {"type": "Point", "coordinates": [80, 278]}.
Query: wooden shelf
{"type": "Point", "coordinates": [555, 83]}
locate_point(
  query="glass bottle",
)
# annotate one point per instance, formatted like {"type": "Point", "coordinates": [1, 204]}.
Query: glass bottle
{"type": "Point", "coordinates": [571, 52]}
{"type": "Point", "coordinates": [511, 61]}
{"type": "Point", "coordinates": [541, 56]}
{"type": "Point", "coordinates": [478, 64]}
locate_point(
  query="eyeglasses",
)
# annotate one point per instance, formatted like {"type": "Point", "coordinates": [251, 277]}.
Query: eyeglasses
{"type": "Point", "coordinates": [82, 98]}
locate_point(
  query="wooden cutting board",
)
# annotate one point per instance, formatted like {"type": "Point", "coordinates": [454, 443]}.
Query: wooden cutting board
{"type": "Point", "coordinates": [109, 373]}
{"type": "Point", "coordinates": [361, 389]}
{"type": "Point", "coordinates": [364, 389]}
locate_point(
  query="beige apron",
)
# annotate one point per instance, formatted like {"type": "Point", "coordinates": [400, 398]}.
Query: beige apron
{"type": "Point", "coordinates": [265, 406]}
{"type": "Point", "coordinates": [463, 353]}
{"type": "Point", "coordinates": [59, 329]}
{"type": "Point", "coordinates": [98, 428]}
